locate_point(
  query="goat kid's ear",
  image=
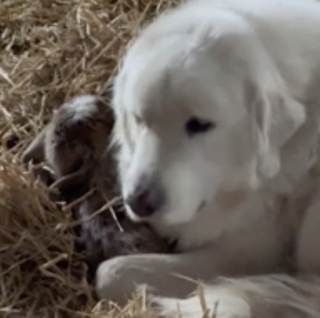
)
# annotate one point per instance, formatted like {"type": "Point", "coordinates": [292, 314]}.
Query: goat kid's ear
{"type": "Point", "coordinates": [35, 151]}
{"type": "Point", "coordinates": [276, 117]}
{"type": "Point", "coordinates": [76, 180]}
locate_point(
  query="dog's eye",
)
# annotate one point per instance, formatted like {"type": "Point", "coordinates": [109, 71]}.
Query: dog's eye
{"type": "Point", "coordinates": [196, 126]}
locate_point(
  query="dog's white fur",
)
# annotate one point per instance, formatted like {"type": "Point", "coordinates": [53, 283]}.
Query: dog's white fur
{"type": "Point", "coordinates": [241, 197]}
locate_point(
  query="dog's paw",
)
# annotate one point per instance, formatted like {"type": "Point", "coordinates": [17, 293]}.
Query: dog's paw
{"type": "Point", "coordinates": [119, 278]}
{"type": "Point", "coordinates": [208, 302]}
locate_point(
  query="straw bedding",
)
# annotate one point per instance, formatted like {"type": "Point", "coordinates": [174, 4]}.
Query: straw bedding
{"type": "Point", "coordinates": [51, 50]}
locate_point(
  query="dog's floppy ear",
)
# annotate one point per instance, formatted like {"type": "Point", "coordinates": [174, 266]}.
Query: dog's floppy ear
{"type": "Point", "coordinates": [276, 117]}
{"type": "Point", "coordinates": [275, 114]}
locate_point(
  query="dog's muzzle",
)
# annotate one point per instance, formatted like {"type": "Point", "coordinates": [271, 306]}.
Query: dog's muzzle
{"type": "Point", "coordinates": [146, 199]}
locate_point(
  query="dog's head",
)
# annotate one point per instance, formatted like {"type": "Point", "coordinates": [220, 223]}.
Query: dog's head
{"type": "Point", "coordinates": [199, 118]}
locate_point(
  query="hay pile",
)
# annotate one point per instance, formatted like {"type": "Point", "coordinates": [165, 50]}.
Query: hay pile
{"type": "Point", "coordinates": [51, 50]}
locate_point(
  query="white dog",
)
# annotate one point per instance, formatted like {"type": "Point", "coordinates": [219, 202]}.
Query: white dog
{"type": "Point", "coordinates": [217, 109]}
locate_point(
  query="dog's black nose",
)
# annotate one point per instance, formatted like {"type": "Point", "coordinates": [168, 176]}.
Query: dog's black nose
{"type": "Point", "coordinates": [144, 202]}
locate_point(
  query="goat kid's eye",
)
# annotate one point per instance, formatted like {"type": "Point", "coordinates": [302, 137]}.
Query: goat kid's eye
{"type": "Point", "coordinates": [197, 126]}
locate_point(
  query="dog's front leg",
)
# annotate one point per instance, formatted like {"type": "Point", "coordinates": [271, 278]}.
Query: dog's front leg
{"type": "Point", "coordinates": [168, 275]}
{"type": "Point", "coordinates": [164, 274]}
